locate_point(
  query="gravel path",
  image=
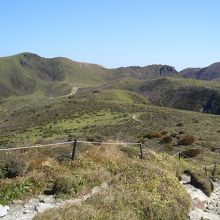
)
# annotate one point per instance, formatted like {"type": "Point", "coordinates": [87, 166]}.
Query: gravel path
{"type": "Point", "coordinates": [203, 207]}
{"type": "Point", "coordinates": [27, 211]}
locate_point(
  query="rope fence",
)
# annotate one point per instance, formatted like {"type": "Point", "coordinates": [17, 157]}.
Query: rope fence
{"type": "Point", "coordinates": [142, 146]}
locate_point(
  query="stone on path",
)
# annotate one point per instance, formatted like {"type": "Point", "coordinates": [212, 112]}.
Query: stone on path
{"type": "Point", "coordinates": [41, 207]}
{"type": "Point", "coordinates": [3, 210]}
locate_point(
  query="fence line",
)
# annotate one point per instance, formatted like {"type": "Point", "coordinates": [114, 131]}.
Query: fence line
{"type": "Point", "coordinates": [67, 142]}
{"type": "Point", "coordinates": [105, 143]}
{"type": "Point", "coordinates": [153, 152]}
{"type": "Point", "coordinates": [205, 165]}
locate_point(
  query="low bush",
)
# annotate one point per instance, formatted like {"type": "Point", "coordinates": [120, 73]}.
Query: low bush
{"type": "Point", "coordinates": [174, 135]}
{"type": "Point", "coordinates": [168, 147]}
{"type": "Point", "coordinates": [166, 139]}
{"type": "Point", "coordinates": [186, 140]}
{"type": "Point", "coordinates": [13, 168]}
{"type": "Point", "coordinates": [153, 134]}
{"type": "Point", "coordinates": [180, 124]}
{"type": "Point", "coordinates": [62, 185]}
{"type": "Point", "coordinates": [201, 182]}
{"type": "Point", "coordinates": [130, 151]}
{"type": "Point", "coordinates": [164, 132]}
{"type": "Point", "coordinates": [191, 152]}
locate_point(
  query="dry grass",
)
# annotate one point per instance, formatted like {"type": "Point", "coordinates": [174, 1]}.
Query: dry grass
{"type": "Point", "coordinates": [138, 189]}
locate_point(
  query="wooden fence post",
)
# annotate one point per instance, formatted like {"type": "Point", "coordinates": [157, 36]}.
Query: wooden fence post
{"type": "Point", "coordinates": [179, 155]}
{"type": "Point", "coordinates": [74, 150]}
{"type": "Point", "coordinates": [141, 152]}
{"type": "Point", "coordinates": [206, 171]}
{"type": "Point", "coordinates": [213, 172]}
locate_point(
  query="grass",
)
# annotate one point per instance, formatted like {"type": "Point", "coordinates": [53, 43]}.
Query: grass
{"type": "Point", "coordinates": [95, 117]}
{"type": "Point", "coordinates": [105, 110]}
{"type": "Point", "coordinates": [138, 189]}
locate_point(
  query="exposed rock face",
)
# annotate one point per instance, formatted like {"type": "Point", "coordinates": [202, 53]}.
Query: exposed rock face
{"type": "Point", "coordinates": [164, 70]}
{"type": "Point", "coordinates": [146, 72]}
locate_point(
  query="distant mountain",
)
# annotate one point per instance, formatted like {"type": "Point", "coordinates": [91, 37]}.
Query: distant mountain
{"type": "Point", "coordinates": [211, 72]}
{"type": "Point", "coordinates": [27, 73]}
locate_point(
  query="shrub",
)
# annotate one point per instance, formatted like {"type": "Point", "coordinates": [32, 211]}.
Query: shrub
{"type": "Point", "coordinates": [200, 182]}
{"type": "Point", "coordinates": [168, 147]}
{"type": "Point", "coordinates": [130, 151]}
{"type": "Point", "coordinates": [180, 124]}
{"type": "Point", "coordinates": [13, 167]}
{"type": "Point", "coordinates": [191, 152]}
{"type": "Point", "coordinates": [174, 135]}
{"type": "Point", "coordinates": [186, 140]}
{"type": "Point", "coordinates": [163, 132]}
{"type": "Point", "coordinates": [62, 185]}
{"type": "Point", "coordinates": [95, 137]}
{"type": "Point", "coordinates": [153, 134]}
{"type": "Point", "coordinates": [166, 139]}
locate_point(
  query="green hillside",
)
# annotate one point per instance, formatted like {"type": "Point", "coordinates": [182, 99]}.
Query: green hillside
{"type": "Point", "coordinates": [28, 73]}
{"type": "Point", "coordinates": [58, 100]}
{"type": "Point", "coordinates": [187, 94]}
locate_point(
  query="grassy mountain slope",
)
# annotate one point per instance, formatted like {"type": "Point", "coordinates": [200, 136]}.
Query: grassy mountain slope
{"type": "Point", "coordinates": [137, 189]}
{"type": "Point", "coordinates": [187, 94]}
{"type": "Point", "coordinates": [27, 73]}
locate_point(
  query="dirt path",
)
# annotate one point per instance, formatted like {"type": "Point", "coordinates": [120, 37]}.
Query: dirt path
{"type": "Point", "coordinates": [135, 117]}
{"type": "Point", "coordinates": [203, 207]}
{"type": "Point", "coordinates": [28, 210]}
{"type": "Point", "coordinates": [73, 92]}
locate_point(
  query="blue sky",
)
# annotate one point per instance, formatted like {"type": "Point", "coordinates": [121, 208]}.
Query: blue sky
{"type": "Point", "coordinates": [114, 33]}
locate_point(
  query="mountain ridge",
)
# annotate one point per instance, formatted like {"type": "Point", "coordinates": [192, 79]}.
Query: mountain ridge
{"type": "Point", "coordinates": [211, 72]}
{"type": "Point", "coordinates": [25, 73]}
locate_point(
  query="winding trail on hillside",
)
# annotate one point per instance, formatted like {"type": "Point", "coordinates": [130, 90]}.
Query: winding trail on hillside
{"type": "Point", "coordinates": [135, 117]}
{"type": "Point", "coordinates": [27, 211]}
{"type": "Point", "coordinates": [73, 92]}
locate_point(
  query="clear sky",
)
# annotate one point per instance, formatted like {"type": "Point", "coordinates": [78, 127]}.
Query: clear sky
{"type": "Point", "coordinates": [114, 33]}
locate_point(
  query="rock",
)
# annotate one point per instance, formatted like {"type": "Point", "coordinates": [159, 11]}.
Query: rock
{"type": "Point", "coordinates": [27, 211]}
{"type": "Point", "coordinates": [7, 207]}
{"type": "Point", "coordinates": [3, 210]}
{"type": "Point", "coordinates": [197, 203]}
{"type": "Point", "coordinates": [17, 202]}
{"type": "Point", "coordinates": [185, 178]}
{"type": "Point", "coordinates": [59, 201]}
{"type": "Point", "coordinates": [46, 199]}
{"type": "Point", "coordinates": [41, 207]}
